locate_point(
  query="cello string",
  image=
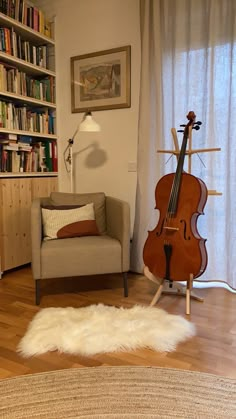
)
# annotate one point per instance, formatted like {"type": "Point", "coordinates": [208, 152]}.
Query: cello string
{"type": "Point", "coordinates": [172, 204]}
{"type": "Point", "coordinates": [179, 170]}
{"type": "Point", "coordinates": [174, 194]}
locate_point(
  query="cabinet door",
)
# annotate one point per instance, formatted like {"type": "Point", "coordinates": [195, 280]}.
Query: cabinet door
{"type": "Point", "coordinates": [16, 196]}
{"type": "Point", "coordinates": [15, 222]}
{"type": "Point", "coordinates": [42, 187]}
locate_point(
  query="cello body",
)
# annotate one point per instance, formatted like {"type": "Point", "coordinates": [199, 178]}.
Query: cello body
{"type": "Point", "coordinates": [189, 254]}
{"type": "Point", "coordinates": [174, 250]}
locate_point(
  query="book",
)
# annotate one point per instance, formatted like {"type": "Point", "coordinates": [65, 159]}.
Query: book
{"type": "Point", "coordinates": [54, 156]}
{"type": "Point", "coordinates": [48, 155]}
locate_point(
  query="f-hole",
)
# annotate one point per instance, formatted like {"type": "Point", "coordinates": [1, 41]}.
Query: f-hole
{"type": "Point", "coordinates": [159, 233]}
{"type": "Point", "coordinates": [185, 228]}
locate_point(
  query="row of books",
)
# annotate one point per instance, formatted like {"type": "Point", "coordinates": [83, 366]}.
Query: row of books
{"type": "Point", "coordinates": [26, 13]}
{"type": "Point", "coordinates": [15, 81]}
{"type": "Point", "coordinates": [40, 156]}
{"type": "Point", "coordinates": [13, 44]}
{"type": "Point", "coordinates": [22, 118]}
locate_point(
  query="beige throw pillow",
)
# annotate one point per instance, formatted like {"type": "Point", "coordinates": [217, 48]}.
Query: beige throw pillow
{"type": "Point", "coordinates": [65, 223]}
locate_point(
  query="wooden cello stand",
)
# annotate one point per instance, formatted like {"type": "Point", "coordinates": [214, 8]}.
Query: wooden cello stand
{"type": "Point", "coordinates": [178, 289]}
{"type": "Point", "coordinates": [189, 153]}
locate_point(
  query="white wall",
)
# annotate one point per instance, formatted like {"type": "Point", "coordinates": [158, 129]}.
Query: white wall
{"type": "Point", "coordinates": [84, 26]}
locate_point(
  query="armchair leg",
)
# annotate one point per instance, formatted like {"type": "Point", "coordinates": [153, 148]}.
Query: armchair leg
{"type": "Point", "coordinates": [37, 292]}
{"type": "Point", "coordinates": [125, 282]}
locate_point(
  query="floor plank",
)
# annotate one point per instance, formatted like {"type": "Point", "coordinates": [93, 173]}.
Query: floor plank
{"type": "Point", "coordinates": [212, 350]}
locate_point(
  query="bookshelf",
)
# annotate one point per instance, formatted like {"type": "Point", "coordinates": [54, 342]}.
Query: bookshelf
{"type": "Point", "coordinates": [27, 86]}
{"type": "Point", "coordinates": [28, 140]}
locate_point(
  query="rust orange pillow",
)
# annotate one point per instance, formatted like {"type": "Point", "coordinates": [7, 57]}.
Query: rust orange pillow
{"type": "Point", "coordinates": [65, 223]}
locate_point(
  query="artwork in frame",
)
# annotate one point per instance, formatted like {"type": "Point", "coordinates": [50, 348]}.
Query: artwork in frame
{"type": "Point", "coordinates": [101, 80]}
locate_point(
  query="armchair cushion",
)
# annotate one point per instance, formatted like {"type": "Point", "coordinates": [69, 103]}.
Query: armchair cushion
{"type": "Point", "coordinates": [60, 222]}
{"type": "Point", "coordinates": [80, 256]}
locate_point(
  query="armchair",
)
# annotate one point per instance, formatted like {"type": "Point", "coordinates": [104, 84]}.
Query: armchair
{"type": "Point", "coordinates": [108, 252]}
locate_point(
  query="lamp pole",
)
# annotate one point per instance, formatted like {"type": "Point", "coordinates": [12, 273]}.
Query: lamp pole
{"type": "Point", "coordinates": [70, 160]}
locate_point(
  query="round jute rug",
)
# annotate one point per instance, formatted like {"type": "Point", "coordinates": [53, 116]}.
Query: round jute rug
{"type": "Point", "coordinates": [118, 392]}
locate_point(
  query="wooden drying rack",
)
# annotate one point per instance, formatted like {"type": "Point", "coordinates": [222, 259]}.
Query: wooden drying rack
{"type": "Point", "coordinates": [163, 285]}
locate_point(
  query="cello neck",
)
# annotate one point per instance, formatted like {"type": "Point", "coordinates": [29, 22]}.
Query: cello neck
{"type": "Point", "coordinates": [173, 201]}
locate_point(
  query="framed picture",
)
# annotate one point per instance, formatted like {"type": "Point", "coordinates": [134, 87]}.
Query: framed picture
{"type": "Point", "coordinates": [101, 80]}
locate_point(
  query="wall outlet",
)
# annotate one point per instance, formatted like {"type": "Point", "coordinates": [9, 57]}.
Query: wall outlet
{"type": "Point", "coordinates": [132, 166]}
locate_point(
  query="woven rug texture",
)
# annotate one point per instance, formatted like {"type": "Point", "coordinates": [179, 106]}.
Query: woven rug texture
{"type": "Point", "coordinates": [118, 392]}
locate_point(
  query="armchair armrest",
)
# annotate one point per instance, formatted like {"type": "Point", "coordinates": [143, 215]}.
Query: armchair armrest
{"type": "Point", "coordinates": [36, 235]}
{"type": "Point", "coordinates": [118, 226]}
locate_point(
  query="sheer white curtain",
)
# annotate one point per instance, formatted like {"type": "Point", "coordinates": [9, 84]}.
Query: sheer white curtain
{"type": "Point", "coordinates": [188, 62]}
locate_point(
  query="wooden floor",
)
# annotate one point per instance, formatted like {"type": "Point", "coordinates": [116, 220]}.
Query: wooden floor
{"type": "Point", "coordinates": [212, 350]}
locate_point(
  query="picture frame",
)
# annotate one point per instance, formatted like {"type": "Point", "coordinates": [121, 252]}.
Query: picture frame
{"type": "Point", "coordinates": [101, 80]}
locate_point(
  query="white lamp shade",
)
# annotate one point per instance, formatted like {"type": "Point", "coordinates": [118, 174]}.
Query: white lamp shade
{"type": "Point", "coordinates": [88, 123]}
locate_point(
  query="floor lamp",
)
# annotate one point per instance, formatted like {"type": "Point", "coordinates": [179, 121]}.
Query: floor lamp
{"type": "Point", "coordinates": [89, 125]}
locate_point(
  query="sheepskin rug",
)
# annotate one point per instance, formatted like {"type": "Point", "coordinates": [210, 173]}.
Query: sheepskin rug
{"type": "Point", "coordinates": [98, 329]}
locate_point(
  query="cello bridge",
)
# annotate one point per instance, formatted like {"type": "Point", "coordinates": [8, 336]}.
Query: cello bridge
{"type": "Point", "coordinates": [171, 228]}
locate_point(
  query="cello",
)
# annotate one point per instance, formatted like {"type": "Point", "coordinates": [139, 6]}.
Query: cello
{"type": "Point", "coordinates": [174, 250]}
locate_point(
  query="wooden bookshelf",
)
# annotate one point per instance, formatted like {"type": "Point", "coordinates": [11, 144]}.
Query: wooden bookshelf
{"type": "Point", "coordinates": [25, 30]}
{"type": "Point", "coordinates": [29, 133]}
{"type": "Point", "coordinates": [27, 100]}
{"type": "Point", "coordinates": [25, 65]}
{"type": "Point", "coordinates": [17, 189]}
{"type": "Point", "coordinates": [12, 175]}
{"type": "Point", "coordinates": [29, 72]}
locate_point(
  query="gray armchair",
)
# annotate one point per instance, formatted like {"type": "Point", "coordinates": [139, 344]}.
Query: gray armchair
{"type": "Point", "coordinates": [106, 253]}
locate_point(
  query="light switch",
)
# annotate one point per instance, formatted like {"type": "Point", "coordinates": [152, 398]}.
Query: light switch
{"type": "Point", "coordinates": [132, 166]}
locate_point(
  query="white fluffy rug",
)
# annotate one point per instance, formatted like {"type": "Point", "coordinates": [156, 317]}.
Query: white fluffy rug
{"type": "Point", "coordinates": [98, 329]}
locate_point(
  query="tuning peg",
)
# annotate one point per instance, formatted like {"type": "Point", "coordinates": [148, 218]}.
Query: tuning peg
{"type": "Point", "coordinates": [198, 123]}
{"type": "Point", "coordinates": [180, 130]}
{"type": "Point", "coordinates": [196, 128]}
{"type": "Point", "coordinates": [182, 125]}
